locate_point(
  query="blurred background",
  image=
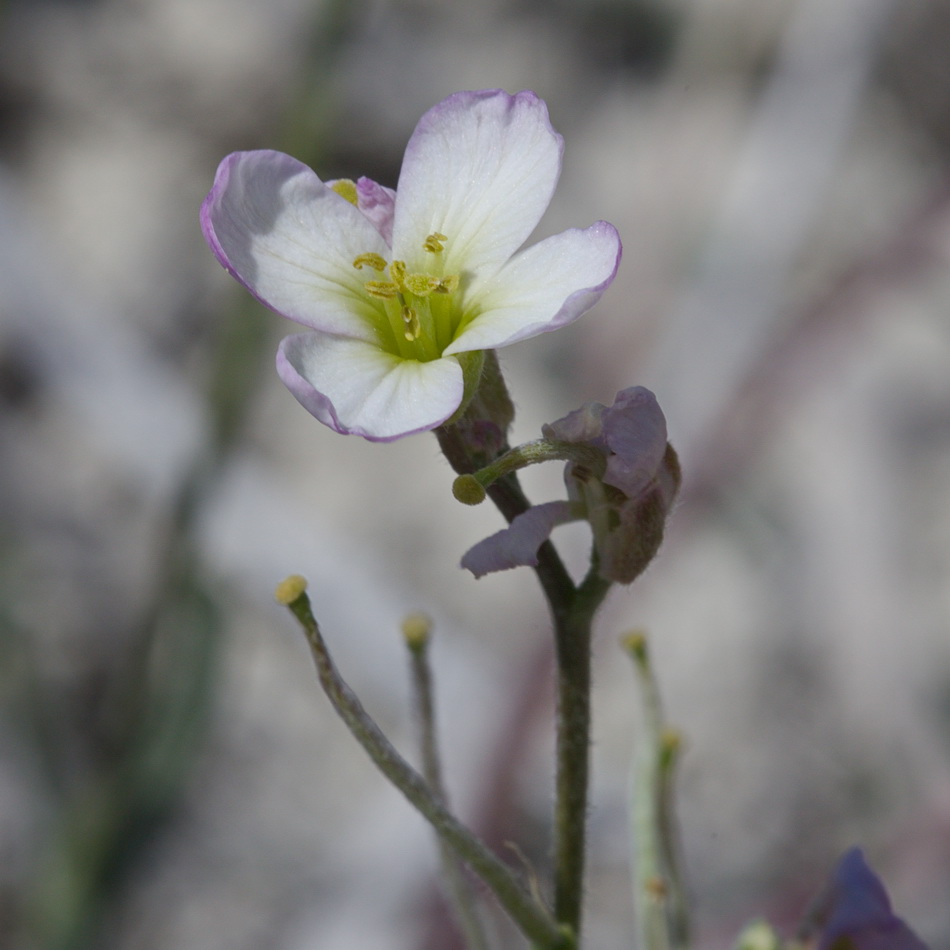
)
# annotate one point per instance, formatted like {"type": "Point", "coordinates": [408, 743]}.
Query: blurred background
{"type": "Point", "coordinates": [170, 775]}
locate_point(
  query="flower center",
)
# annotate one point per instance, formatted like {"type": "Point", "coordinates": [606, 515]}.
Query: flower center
{"type": "Point", "coordinates": [420, 308]}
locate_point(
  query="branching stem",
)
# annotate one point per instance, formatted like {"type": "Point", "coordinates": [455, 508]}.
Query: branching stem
{"type": "Point", "coordinates": [534, 920]}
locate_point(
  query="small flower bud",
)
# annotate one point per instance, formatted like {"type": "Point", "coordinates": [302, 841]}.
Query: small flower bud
{"type": "Point", "coordinates": [758, 936]}
{"type": "Point", "coordinates": [416, 630]}
{"type": "Point", "coordinates": [468, 490]}
{"type": "Point", "coordinates": [290, 589]}
{"type": "Point", "coordinates": [635, 643]}
{"type": "Point", "coordinates": [671, 743]}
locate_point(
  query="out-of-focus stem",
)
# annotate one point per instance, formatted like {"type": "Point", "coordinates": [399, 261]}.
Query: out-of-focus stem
{"type": "Point", "coordinates": [535, 921]}
{"type": "Point", "coordinates": [416, 632]}
{"type": "Point", "coordinates": [659, 896]}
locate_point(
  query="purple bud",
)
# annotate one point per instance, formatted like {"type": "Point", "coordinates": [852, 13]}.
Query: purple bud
{"type": "Point", "coordinates": [854, 912]}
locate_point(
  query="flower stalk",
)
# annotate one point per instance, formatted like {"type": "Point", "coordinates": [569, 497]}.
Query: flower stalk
{"type": "Point", "coordinates": [535, 921]}
{"type": "Point", "coordinates": [530, 453]}
{"type": "Point", "coordinates": [572, 611]}
{"type": "Point", "coordinates": [417, 631]}
{"type": "Point", "coordinates": [573, 644]}
{"type": "Point", "coordinates": [659, 896]}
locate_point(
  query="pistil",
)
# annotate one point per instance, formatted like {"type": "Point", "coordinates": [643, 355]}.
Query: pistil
{"type": "Point", "coordinates": [418, 306]}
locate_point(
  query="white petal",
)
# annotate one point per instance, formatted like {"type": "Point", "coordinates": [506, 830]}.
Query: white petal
{"type": "Point", "coordinates": [292, 241]}
{"type": "Point", "coordinates": [480, 168]}
{"type": "Point", "coordinates": [545, 287]}
{"type": "Point", "coordinates": [358, 389]}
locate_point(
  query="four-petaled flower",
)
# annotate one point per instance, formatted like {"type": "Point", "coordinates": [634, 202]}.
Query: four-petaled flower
{"type": "Point", "coordinates": [626, 502]}
{"type": "Point", "coordinates": [402, 290]}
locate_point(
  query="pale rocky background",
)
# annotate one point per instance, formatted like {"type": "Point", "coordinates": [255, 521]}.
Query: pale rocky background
{"type": "Point", "coordinates": [170, 776]}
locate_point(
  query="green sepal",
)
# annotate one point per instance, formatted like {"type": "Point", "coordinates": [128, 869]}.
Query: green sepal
{"type": "Point", "coordinates": [472, 365]}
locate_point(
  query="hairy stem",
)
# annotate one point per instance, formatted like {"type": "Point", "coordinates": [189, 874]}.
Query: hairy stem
{"type": "Point", "coordinates": [573, 642]}
{"type": "Point", "coordinates": [534, 920]}
{"type": "Point", "coordinates": [572, 612]}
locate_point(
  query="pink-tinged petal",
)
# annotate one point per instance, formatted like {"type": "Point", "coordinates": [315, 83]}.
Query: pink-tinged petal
{"type": "Point", "coordinates": [375, 201]}
{"type": "Point", "coordinates": [480, 168]}
{"type": "Point", "coordinates": [356, 388]}
{"type": "Point", "coordinates": [635, 431]}
{"type": "Point", "coordinates": [378, 203]}
{"type": "Point", "coordinates": [517, 545]}
{"type": "Point", "coordinates": [543, 288]}
{"type": "Point", "coordinates": [291, 241]}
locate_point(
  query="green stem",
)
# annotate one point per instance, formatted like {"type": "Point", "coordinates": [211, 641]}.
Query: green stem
{"type": "Point", "coordinates": [534, 920]}
{"type": "Point", "coordinates": [460, 893]}
{"type": "Point", "coordinates": [541, 450]}
{"type": "Point", "coordinates": [572, 612]}
{"type": "Point", "coordinates": [659, 896]}
{"type": "Point", "coordinates": [573, 644]}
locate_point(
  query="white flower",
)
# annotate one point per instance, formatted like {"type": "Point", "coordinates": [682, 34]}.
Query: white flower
{"type": "Point", "coordinates": [402, 290]}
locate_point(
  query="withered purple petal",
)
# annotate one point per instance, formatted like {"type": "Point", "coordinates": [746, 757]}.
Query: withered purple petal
{"type": "Point", "coordinates": [517, 545]}
{"type": "Point", "coordinates": [582, 425]}
{"type": "Point", "coordinates": [635, 431]}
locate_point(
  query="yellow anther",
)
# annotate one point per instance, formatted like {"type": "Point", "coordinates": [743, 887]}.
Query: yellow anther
{"type": "Point", "coordinates": [346, 189]}
{"type": "Point", "coordinates": [448, 285]}
{"type": "Point", "coordinates": [383, 289]}
{"type": "Point", "coordinates": [397, 270]}
{"type": "Point", "coordinates": [411, 320]}
{"type": "Point", "coordinates": [421, 284]}
{"type": "Point", "coordinates": [370, 260]}
{"type": "Point", "coordinates": [433, 243]}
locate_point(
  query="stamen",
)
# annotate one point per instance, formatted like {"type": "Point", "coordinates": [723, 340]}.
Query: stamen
{"type": "Point", "coordinates": [397, 270]}
{"type": "Point", "coordinates": [433, 243]}
{"type": "Point", "coordinates": [383, 289]}
{"type": "Point", "coordinates": [421, 285]}
{"type": "Point", "coordinates": [411, 319]}
{"type": "Point", "coordinates": [346, 188]}
{"type": "Point", "coordinates": [370, 260]}
{"type": "Point", "coordinates": [448, 285]}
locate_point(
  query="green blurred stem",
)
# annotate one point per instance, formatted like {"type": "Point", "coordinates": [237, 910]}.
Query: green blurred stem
{"type": "Point", "coordinates": [534, 920]}
{"type": "Point", "coordinates": [460, 893]}
{"type": "Point", "coordinates": [659, 896]}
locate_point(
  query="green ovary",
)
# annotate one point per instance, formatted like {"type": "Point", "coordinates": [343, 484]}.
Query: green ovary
{"type": "Point", "coordinates": [420, 312]}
